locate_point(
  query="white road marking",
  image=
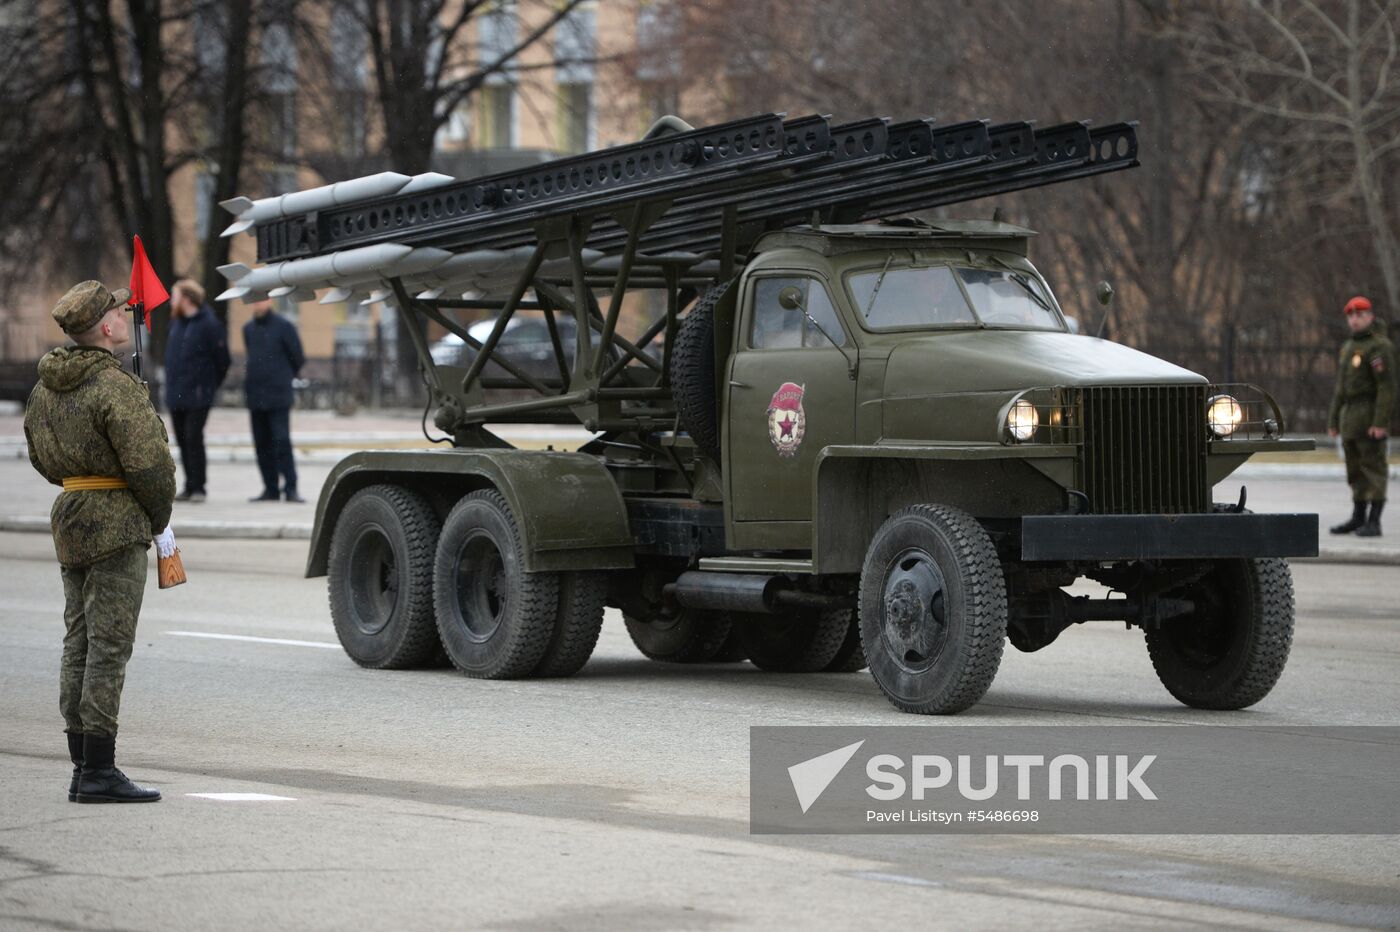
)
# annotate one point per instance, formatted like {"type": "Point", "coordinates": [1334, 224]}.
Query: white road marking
{"type": "Point", "coordinates": [243, 797]}
{"type": "Point", "coordinates": [896, 878]}
{"type": "Point", "coordinates": [245, 637]}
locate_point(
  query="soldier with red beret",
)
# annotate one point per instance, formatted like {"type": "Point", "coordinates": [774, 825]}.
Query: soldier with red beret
{"type": "Point", "coordinates": [1360, 414]}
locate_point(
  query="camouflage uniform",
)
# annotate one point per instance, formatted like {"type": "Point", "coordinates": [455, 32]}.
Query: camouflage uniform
{"type": "Point", "coordinates": [89, 417]}
{"type": "Point", "coordinates": [1363, 399]}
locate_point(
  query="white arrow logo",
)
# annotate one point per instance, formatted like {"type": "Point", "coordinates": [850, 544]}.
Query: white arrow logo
{"type": "Point", "coordinates": [811, 777]}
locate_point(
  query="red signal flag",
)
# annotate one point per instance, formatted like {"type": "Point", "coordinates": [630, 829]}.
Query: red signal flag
{"type": "Point", "coordinates": [146, 288]}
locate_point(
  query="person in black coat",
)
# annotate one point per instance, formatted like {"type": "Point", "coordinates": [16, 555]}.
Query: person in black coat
{"type": "Point", "coordinates": [274, 358]}
{"type": "Point", "coordinates": [196, 361]}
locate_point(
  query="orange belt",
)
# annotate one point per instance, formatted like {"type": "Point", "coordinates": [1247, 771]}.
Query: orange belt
{"type": "Point", "coordinates": [84, 483]}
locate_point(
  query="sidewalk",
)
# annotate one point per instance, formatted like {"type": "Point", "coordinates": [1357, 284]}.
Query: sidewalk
{"type": "Point", "coordinates": [322, 439]}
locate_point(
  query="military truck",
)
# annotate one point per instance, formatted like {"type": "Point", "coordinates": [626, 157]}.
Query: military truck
{"type": "Point", "coordinates": [850, 438]}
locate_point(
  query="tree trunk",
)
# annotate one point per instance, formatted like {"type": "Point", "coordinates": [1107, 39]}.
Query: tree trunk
{"type": "Point", "coordinates": [229, 154]}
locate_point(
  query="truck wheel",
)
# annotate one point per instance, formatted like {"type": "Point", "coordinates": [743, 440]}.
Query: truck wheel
{"type": "Point", "coordinates": [682, 635]}
{"type": "Point", "coordinates": [1231, 650]}
{"type": "Point", "coordinates": [576, 629]}
{"type": "Point", "coordinates": [793, 642]}
{"type": "Point", "coordinates": [495, 619]}
{"type": "Point", "coordinates": [381, 579]}
{"type": "Point", "coordinates": [932, 609]}
{"type": "Point", "coordinates": [732, 650]}
{"type": "Point", "coordinates": [849, 658]}
{"type": "Point", "coordinates": [693, 372]}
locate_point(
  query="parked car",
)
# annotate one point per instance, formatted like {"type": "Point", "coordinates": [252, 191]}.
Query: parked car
{"type": "Point", "coordinates": [526, 343]}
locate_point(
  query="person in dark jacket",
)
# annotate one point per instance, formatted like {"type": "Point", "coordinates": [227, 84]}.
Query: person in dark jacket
{"type": "Point", "coordinates": [196, 361]}
{"type": "Point", "coordinates": [274, 358]}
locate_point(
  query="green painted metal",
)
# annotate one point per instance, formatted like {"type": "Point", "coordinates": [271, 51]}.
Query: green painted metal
{"type": "Point", "coordinates": [570, 512]}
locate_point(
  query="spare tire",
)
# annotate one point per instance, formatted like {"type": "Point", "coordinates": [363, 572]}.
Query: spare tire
{"type": "Point", "coordinates": [693, 372]}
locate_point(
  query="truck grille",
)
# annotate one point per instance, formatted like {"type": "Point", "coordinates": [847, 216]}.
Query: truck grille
{"type": "Point", "coordinates": [1145, 449]}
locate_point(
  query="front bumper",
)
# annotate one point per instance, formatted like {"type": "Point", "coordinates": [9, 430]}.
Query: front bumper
{"type": "Point", "coordinates": [1167, 537]}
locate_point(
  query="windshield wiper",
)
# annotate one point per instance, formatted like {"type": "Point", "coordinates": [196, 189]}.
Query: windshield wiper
{"type": "Point", "coordinates": [1021, 279]}
{"type": "Point", "coordinates": [870, 305]}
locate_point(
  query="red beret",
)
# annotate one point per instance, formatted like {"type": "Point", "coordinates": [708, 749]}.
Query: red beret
{"type": "Point", "coordinates": [1357, 303]}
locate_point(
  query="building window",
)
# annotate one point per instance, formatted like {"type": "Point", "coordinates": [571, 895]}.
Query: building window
{"type": "Point", "coordinates": [496, 37]}
{"type": "Point", "coordinates": [659, 41]}
{"type": "Point", "coordinates": [575, 52]}
{"type": "Point", "coordinates": [279, 84]}
{"type": "Point", "coordinates": [497, 123]}
{"type": "Point", "coordinates": [575, 109]}
{"type": "Point", "coordinates": [349, 74]}
{"type": "Point", "coordinates": [204, 182]}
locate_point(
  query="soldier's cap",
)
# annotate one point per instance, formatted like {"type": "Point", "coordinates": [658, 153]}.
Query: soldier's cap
{"type": "Point", "coordinates": [1356, 305]}
{"type": "Point", "coordinates": [85, 303]}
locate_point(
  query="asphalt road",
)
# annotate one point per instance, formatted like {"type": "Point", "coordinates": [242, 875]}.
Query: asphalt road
{"type": "Point", "coordinates": [615, 800]}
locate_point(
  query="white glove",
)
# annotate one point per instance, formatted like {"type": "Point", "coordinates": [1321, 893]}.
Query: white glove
{"type": "Point", "coordinates": [165, 542]}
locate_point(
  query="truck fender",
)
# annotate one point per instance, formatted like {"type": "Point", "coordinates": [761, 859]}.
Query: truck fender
{"type": "Point", "coordinates": [570, 512]}
{"type": "Point", "coordinates": [859, 486]}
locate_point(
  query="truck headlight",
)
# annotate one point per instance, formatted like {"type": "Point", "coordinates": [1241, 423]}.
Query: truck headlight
{"type": "Point", "coordinates": [1022, 420]}
{"type": "Point", "coordinates": [1223, 415]}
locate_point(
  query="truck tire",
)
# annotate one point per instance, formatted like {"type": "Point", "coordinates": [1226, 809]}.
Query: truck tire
{"type": "Point", "coordinates": [693, 372]}
{"type": "Point", "coordinates": [732, 650]}
{"type": "Point", "coordinates": [793, 642]}
{"type": "Point", "coordinates": [932, 610]}
{"type": "Point", "coordinates": [496, 620]}
{"type": "Point", "coordinates": [1231, 651]}
{"type": "Point", "coordinates": [849, 658]}
{"type": "Point", "coordinates": [381, 578]}
{"type": "Point", "coordinates": [681, 635]}
{"type": "Point", "coordinates": [576, 629]}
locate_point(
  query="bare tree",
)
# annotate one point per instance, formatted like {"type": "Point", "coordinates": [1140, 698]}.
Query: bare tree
{"type": "Point", "coordinates": [427, 59]}
{"type": "Point", "coordinates": [104, 102]}
{"type": "Point", "coordinates": [1324, 74]}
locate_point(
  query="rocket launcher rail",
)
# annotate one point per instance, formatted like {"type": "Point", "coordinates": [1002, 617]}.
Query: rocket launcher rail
{"type": "Point", "coordinates": [766, 172]}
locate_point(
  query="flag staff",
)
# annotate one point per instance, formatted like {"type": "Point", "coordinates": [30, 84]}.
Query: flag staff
{"type": "Point", "coordinates": [147, 294]}
{"type": "Point", "coordinates": [138, 319]}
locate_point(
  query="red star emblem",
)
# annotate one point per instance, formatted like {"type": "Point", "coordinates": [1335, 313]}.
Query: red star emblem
{"type": "Point", "coordinates": [786, 426]}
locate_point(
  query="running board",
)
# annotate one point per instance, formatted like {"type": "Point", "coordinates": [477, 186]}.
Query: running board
{"type": "Point", "coordinates": [755, 565]}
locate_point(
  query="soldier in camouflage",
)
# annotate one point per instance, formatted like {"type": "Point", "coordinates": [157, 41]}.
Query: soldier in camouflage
{"type": "Point", "coordinates": [91, 429]}
{"type": "Point", "coordinates": [1360, 414]}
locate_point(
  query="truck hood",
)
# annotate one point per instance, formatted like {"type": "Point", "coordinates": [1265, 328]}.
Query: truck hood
{"type": "Point", "coordinates": [954, 386]}
{"type": "Point", "coordinates": [1000, 360]}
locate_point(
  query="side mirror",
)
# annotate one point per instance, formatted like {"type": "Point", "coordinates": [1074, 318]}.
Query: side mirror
{"type": "Point", "coordinates": [1104, 292]}
{"type": "Point", "coordinates": [790, 299]}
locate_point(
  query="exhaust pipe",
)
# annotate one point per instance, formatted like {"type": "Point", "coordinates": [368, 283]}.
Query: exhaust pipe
{"type": "Point", "coordinates": [746, 592]}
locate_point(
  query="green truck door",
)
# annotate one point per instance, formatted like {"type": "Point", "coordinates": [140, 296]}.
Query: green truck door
{"type": "Point", "coordinates": [788, 396]}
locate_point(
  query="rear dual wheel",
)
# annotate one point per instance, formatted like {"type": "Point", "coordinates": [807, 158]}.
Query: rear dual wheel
{"type": "Point", "coordinates": [808, 641]}
{"type": "Point", "coordinates": [496, 619]}
{"type": "Point", "coordinates": [381, 578]}
{"type": "Point", "coordinates": [681, 635]}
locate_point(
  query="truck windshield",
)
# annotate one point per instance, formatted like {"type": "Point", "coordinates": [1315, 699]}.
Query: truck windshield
{"type": "Point", "coordinates": [1006, 298]}
{"type": "Point", "coordinates": [938, 296]}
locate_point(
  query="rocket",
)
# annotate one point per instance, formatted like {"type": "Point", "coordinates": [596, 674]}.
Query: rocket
{"type": "Point", "coordinates": [250, 212]}
{"type": "Point", "coordinates": [366, 263]}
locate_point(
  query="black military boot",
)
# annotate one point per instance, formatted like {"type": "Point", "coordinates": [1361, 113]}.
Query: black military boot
{"type": "Point", "coordinates": [1358, 520]}
{"type": "Point", "coordinates": [75, 753]}
{"type": "Point", "coordinates": [1372, 527]}
{"type": "Point", "coordinates": [102, 782]}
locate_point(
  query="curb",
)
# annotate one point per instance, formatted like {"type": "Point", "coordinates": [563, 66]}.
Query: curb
{"type": "Point", "coordinates": [256, 530]}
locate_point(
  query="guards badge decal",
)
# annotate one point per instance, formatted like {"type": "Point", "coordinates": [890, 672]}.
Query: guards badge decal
{"type": "Point", "coordinates": [787, 423]}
